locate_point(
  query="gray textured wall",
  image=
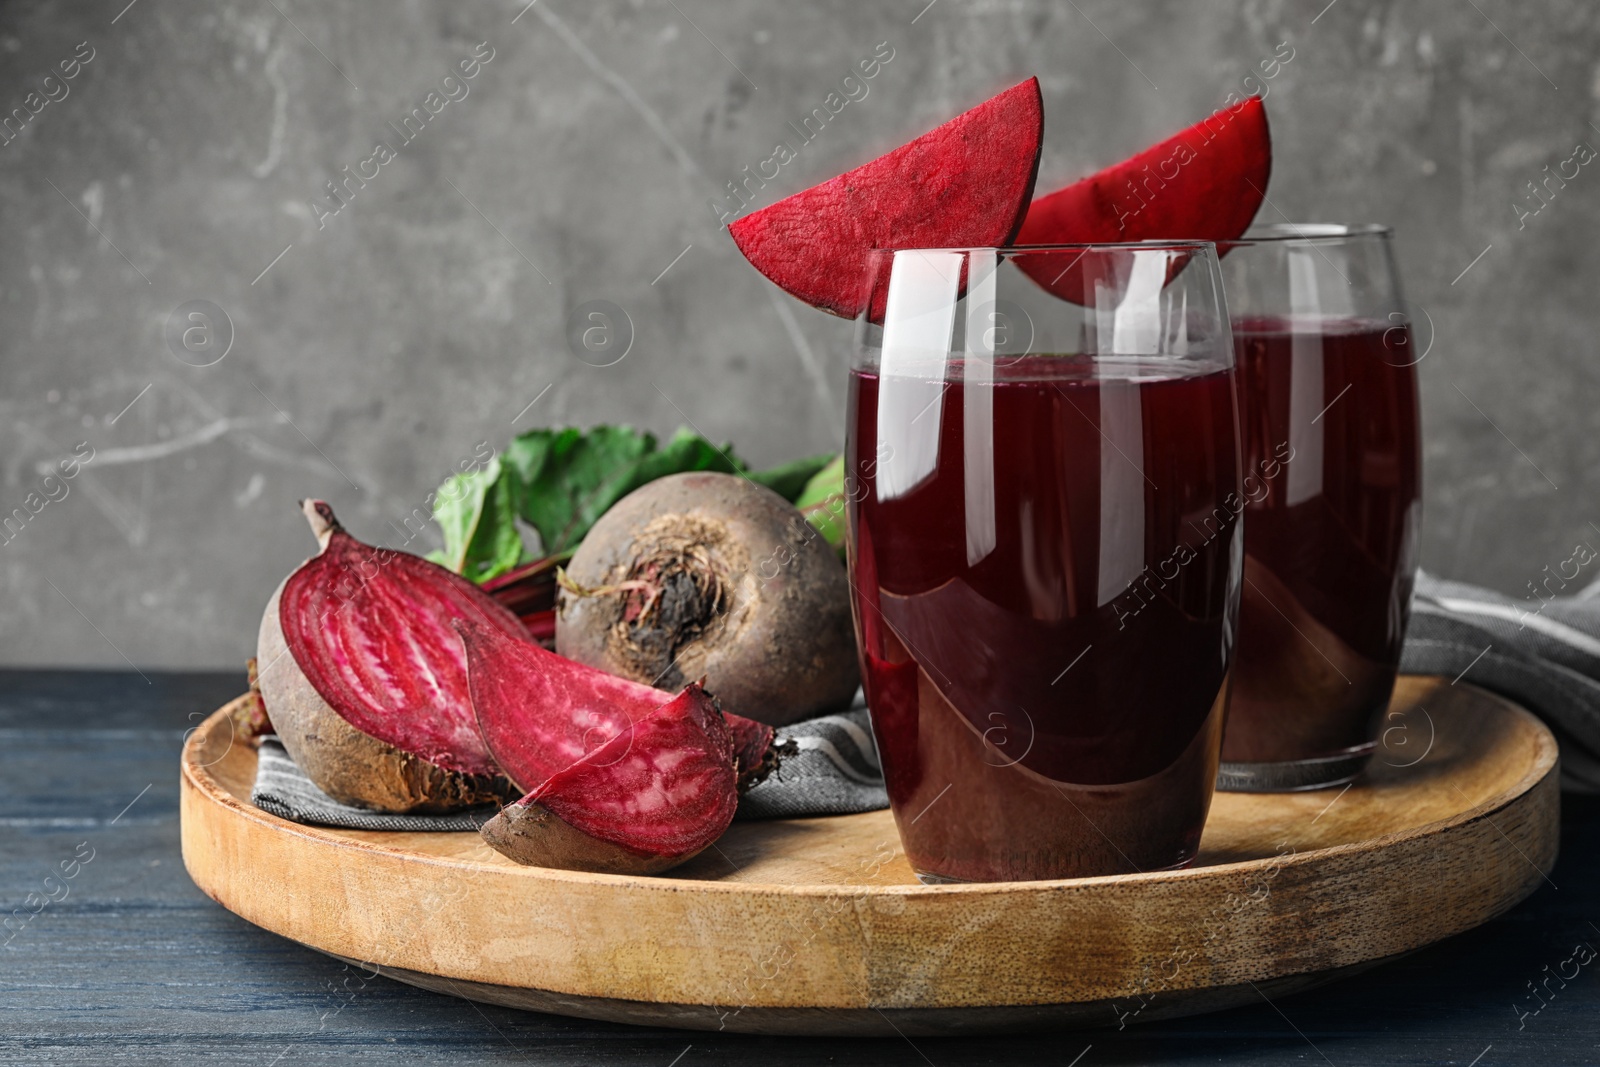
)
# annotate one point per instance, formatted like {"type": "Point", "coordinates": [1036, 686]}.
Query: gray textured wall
{"type": "Point", "coordinates": [384, 345]}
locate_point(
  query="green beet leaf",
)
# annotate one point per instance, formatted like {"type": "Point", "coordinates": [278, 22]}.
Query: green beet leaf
{"type": "Point", "coordinates": [789, 480]}
{"type": "Point", "coordinates": [687, 451]}
{"type": "Point", "coordinates": [559, 482]}
{"type": "Point", "coordinates": [822, 502]}
{"type": "Point", "coordinates": [570, 479]}
{"type": "Point", "coordinates": [477, 511]}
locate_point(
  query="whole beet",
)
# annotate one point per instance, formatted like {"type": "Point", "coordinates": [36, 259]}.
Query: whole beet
{"type": "Point", "coordinates": [712, 576]}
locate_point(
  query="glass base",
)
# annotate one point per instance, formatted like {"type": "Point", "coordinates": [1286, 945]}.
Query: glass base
{"type": "Point", "coordinates": [939, 879]}
{"type": "Point", "coordinates": [1294, 776]}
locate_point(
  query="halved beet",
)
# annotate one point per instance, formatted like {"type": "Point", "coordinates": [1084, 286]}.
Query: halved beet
{"type": "Point", "coordinates": [1203, 184]}
{"type": "Point", "coordinates": [655, 795]}
{"type": "Point", "coordinates": [366, 682]}
{"type": "Point", "coordinates": [540, 713]}
{"type": "Point", "coordinates": [965, 184]}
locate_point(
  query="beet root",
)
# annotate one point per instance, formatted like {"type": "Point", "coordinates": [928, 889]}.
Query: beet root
{"type": "Point", "coordinates": [654, 796]}
{"type": "Point", "coordinates": [366, 682]}
{"type": "Point", "coordinates": [540, 713]}
{"type": "Point", "coordinates": [710, 576]}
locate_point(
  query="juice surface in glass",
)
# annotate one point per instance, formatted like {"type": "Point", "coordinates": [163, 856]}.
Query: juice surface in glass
{"type": "Point", "coordinates": [1045, 568]}
{"type": "Point", "coordinates": [1329, 426]}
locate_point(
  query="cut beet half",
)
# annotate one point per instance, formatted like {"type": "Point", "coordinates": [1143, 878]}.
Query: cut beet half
{"type": "Point", "coordinates": [965, 184]}
{"type": "Point", "coordinates": [652, 797]}
{"type": "Point", "coordinates": [371, 630]}
{"type": "Point", "coordinates": [539, 713]}
{"type": "Point", "coordinates": [365, 680]}
{"type": "Point", "coordinates": [1203, 184]}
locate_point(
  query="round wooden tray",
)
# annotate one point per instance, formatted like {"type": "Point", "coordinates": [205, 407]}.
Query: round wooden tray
{"type": "Point", "coordinates": [817, 926]}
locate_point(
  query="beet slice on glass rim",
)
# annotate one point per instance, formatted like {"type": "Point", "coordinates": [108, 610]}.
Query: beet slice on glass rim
{"type": "Point", "coordinates": [965, 184]}
{"type": "Point", "coordinates": [1204, 183]}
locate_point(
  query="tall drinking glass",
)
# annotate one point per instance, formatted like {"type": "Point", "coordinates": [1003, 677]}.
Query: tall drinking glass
{"type": "Point", "coordinates": [1328, 418]}
{"type": "Point", "coordinates": [1045, 552]}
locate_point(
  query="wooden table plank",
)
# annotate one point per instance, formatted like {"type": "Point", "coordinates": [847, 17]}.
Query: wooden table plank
{"type": "Point", "coordinates": [136, 965]}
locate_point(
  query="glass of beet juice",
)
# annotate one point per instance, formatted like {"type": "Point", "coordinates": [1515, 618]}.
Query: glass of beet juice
{"type": "Point", "coordinates": [1332, 463]}
{"type": "Point", "coordinates": [1045, 563]}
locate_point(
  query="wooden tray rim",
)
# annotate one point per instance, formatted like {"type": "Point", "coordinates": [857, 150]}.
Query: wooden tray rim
{"type": "Point", "coordinates": [1478, 856]}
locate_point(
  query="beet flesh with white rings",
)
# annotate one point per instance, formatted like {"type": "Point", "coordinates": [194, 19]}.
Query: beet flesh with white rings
{"type": "Point", "coordinates": [706, 576]}
{"type": "Point", "coordinates": [540, 713]}
{"type": "Point", "coordinates": [654, 796]}
{"type": "Point", "coordinates": [365, 679]}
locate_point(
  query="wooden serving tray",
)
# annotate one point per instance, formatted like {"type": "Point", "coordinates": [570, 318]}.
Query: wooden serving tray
{"type": "Point", "coordinates": [817, 926]}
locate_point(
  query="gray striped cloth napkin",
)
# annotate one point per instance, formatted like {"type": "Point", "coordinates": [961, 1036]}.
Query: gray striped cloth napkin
{"type": "Point", "coordinates": [832, 769]}
{"type": "Point", "coordinates": [829, 767]}
{"type": "Point", "coordinates": [1541, 651]}
{"type": "Point", "coordinates": [282, 789]}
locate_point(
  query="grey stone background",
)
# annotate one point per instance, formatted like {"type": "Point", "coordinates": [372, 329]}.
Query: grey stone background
{"type": "Point", "coordinates": [381, 348]}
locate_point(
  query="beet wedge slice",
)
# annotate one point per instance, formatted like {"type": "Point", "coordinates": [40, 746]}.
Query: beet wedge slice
{"type": "Point", "coordinates": [652, 797]}
{"type": "Point", "coordinates": [539, 713]}
{"type": "Point", "coordinates": [365, 681]}
{"type": "Point", "coordinates": [1202, 184]}
{"type": "Point", "coordinates": [965, 184]}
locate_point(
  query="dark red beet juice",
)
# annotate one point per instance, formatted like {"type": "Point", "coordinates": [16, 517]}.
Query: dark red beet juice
{"type": "Point", "coordinates": [1046, 572]}
{"type": "Point", "coordinates": [1329, 427]}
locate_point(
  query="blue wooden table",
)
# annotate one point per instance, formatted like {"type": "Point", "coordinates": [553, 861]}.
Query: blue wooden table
{"type": "Point", "coordinates": [113, 956]}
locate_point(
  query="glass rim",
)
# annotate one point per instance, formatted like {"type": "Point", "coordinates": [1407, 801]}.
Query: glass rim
{"type": "Point", "coordinates": [1083, 246]}
{"type": "Point", "coordinates": [1267, 233]}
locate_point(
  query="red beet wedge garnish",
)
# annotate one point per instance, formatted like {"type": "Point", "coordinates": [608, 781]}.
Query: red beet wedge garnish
{"type": "Point", "coordinates": [1203, 184]}
{"type": "Point", "coordinates": [540, 713]}
{"type": "Point", "coordinates": [965, 184]}
{"type": "Point", "coordinates": [652, 797]}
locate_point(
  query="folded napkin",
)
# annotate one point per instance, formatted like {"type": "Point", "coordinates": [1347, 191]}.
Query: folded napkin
{"type": "Point", "coordinates": [1542, 652]}
{"type": "Point", "coordinates": [829, 767]}
{"type": "Point", "coordinates": [282, 789]}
